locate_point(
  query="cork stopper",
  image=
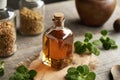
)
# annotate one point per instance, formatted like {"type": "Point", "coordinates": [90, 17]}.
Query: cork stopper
{"type": "Point", "coordinates": [58, 16]}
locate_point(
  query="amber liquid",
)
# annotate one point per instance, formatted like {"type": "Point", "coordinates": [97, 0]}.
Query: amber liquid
{"type": "Point", "coordinates": [58, 48]}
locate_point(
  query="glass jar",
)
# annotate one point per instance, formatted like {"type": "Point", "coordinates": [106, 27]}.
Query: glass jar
{"type": "Point", "coordinates": [7, 30]}
{"type": "Point", "coordinates": [57, 44]}
{"type": "Point", "coordinates": [31, 17]}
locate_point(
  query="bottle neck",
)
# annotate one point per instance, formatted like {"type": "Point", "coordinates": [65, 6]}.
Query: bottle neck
{"type": "Point", "coordinates": [58, 23]}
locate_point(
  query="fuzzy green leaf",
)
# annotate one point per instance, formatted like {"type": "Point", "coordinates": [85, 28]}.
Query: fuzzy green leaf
{"type": "Point", "coordinates": [22, 69]}
{"type": "Point", "coordinates": [82, 49]}
{"type": "Point", "coordinates": [86, 69]}
{"type": "Point", "coordinates": [86, 40]}
{"type": "Point", "coordinates": [77, 46]}
{"type": "Point", "coordinates": [32, 74]}
{"type": "Point", "coordinates": [95, 51]}
{"type": "Point", "coordinates": [96, 42]}
{"type": "Point", "coordinates": [104, 32]}
{"type": "Point", "coordinates": [88, 35]}
{"type": "Point", "coordinates": [107, 45]}
{"type": "Point", "coordinates": [71, 70]}
{"type": "Point", "coordinates": [2, 68]}
{"type": "Point", "coordinates": [114, 46]}
{"type": "Point", "coordinates": [91, 76]}
{"type": "Point", "coordinates": [80, 69]}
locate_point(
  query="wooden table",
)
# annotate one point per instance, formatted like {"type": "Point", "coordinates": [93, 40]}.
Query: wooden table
{"type": "Point", "coordinates": [28, 46]}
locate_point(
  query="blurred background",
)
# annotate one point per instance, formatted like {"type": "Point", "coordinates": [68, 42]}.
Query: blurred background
{"type": "Point", "coordinates": [14, 3]}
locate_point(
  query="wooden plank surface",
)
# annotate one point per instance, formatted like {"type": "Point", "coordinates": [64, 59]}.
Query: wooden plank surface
{"type": "Point", "coordinates": [28, 46]}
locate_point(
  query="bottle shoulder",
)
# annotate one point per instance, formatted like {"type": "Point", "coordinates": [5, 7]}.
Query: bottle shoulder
{"type": "Point", "coordinates": [59, 33]}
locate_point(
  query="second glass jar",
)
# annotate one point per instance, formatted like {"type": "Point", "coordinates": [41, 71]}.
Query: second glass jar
{"type": "Point", "coordinates": [31, 16]}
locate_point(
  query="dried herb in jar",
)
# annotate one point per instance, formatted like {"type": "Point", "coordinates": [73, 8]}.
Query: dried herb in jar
{"type": "Point", "coordinates": [31, 22]}
{"type": "Point", "coordinates": [7, 39]}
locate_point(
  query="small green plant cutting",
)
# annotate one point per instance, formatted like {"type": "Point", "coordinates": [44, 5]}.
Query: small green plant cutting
{"type": "Point", "coordinates": [91, 46]}
{"type": "Point", "coordinates": [82, 47]}
{"type": "Point", "coordinates": [80, 73]}
{"type": "Point", "coordinates": [22, 73]}
{"type": "Point", "coordinates": [106, 41]}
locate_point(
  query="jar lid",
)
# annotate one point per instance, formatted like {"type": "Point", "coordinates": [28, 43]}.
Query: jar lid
{"type": "Point", "coordinates": [31, 0]}
{"type": "Point", "coordinates": [32, 3]}
{"type": "Point", "coordinates": [3, 4]}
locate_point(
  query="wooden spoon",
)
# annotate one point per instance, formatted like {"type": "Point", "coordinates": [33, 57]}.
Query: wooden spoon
{"type": "Point", "coordinates": [115, 71]}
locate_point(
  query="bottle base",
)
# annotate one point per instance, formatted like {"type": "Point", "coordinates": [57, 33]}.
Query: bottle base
{"type": "Point", "coordinates": [57, 64]}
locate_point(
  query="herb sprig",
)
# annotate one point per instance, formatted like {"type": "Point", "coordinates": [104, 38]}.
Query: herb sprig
{"type": "Point", "coordinates": [82, 47]}
{"type": "Point", "coordinates": [80, 73]}
{"type": "Point", "coordinates": [22, 73]}
{"type": "Point", "coordinates": [2, 68]}
{"type": "Point", "coordinates": [91, 46]}
{"type": "Point", "coordinates": [106, 41]}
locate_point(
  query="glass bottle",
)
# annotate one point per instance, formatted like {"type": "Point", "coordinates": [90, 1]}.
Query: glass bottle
{"type": "Point", "coordinates": [57, 44]}
{"type": "Point", "coordinates": [7, 30]}
{"type": "Point", "coordinates": [31, 17]}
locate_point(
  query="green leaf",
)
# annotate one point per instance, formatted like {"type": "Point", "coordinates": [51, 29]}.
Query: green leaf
{"type": "Point", "coordinates": [96, 42]}
{"type": "Point", "coordinates": [86, 69]}
{"type": "Point", "coordinates": [80, 78]}
{"type": "Point", "coordinates": [112, 42]}
{"type": "Point", "coordinates": [18, 76]}
{"type": "Point", "coordinates": [68, 77]}
{"type": "Point", "coordinates": [77, 46]}
{"type": "Point", "coordinates": [71, 70]}
{"type": "Point", "coordinates": [107, 39]}
{"type": "Point", "coordinates": [114, 46]}
{"type": "Point", "coordinates": [22, 69]}
{"type": "Point", "coordinates": [26, 76]}
{"type": "Point", "coordinates": [89, 46]}
{"type": "Point", "coordinates": [88, 35]}
{"type": "Point", "coordinates": [74, 77]}
{"type": "Point", "coordinates": [2, 63]}
{"type": "Point", "coordinates": [82, 49]}
{"type": "Point", "coordinates": [12, 77]}
{"type": "Point", "coordinates": [102, 39]}
{"type": "Point", "coordinates": [32, 73]}
{"type": "Point", "coordinates": [77, 43]}
{"type": "Point", "coordinates": [80, 69]}
{"type": "Point", "coordinates": [2, 68]}
{"type": "Point", "coordinates": [91, 76]}
{"type": "Point", "coordinates": [2, 71]}
{"type": "Point", "coordinates": [107, 45]}
{"type": "Point", "coordinates": [86, 40]}
{"type": "Point", "coordinates": [95, 51]}
{"type": "Point", "coordinates": [104, 32]}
